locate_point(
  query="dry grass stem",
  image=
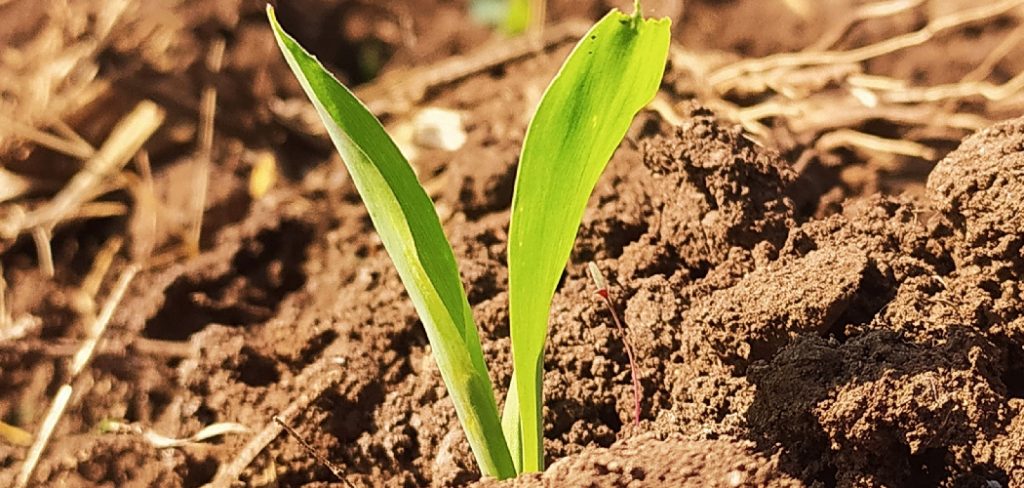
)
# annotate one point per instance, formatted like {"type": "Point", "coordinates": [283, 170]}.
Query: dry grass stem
{"type": "Point", "coordinates": [160, 441]}
{"type": "Point", "coordinates": [15, 435]}
{"type": "Point", "coordinates": [79, 361]}
{"type": "Point", "coordinates": [19, 327]}
{"type": "Point", "coordinates": [13, 185]}
{"type": "Point", "coordinates": [801, 97]}
{"type": "Point", "coordinates": [54, 72]}
{"type": "Point", "coordinates": [824, 113]}
{"type": "Point", "coordinates": [98, 210]}
{"type": "Point", "coordinates": [204, 153]}
{"type": "Point", "coordinates": [984, 69]}
{"type": "Point", "coordinates": [723, 77]}
{"type": "Point", "coordinates": [100, 265]}
{"type": "Point", "coordinates": [145, 221]}
{"type": "Point", "coordinates": [794, 99]}
{"type": "Point", "coordinates": [12, 329]}
{"type": "Point", "coordinates": [124, 141]}
{"type": "Point", "coordinates": [84, 298]}
{"type": "Point", "coordinates": [73, 136]}
{"type": "Point", "coordinates": [855, 139]}
{"type": "Point", "coordinates": [53, 415]}
{"type": "Point", "coordinates": [75, 148]}
{"type": "Point", "coordinates": [41, 238]}
{"type": "Point", "coordinates": [868, 11]}
{"type": "Point", "coordinates": [96, 328]}
{"type": "Point", "coordinates": [938, 93]}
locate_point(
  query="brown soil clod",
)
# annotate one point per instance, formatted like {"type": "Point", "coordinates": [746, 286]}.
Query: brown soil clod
{"type": "Point", "coordinates": [978, 190]}
{"type": "Point", "coordinates": [751, 320]}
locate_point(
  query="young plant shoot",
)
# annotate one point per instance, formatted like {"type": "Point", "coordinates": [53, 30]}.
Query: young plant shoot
{"type": "Point", "coordinates": [610, 75]}
{"type": "Point", "coordinates": [411, 233]}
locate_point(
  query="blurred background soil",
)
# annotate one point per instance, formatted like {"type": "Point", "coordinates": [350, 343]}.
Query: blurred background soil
{"type": "Point", "coordinates": [822, 289]}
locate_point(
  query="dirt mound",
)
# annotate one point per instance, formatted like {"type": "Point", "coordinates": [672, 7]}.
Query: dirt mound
{"type": "Point", "coordinates": [978, 189]}
{"type": "Point", "coordinates": [646, 460]}
{"type": "Point", "coordinates": [920, 384]}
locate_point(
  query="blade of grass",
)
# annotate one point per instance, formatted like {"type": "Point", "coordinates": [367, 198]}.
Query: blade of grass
{"type": "Point", "coordinates": [611, 74]}
{"type": "Point", "coordinates": [411, 233]}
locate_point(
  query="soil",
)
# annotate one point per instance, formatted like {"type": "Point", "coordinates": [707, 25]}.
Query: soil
{"type": "Point", "coordinates": [839, 325]}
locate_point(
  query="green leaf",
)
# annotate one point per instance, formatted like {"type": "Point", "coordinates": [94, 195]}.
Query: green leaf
{"type": "Point", "coordinates": [511, 426]}
{"type": "Point", "coordinates": [611, 74]}
{"type": "Point", "coordinates": [408, 226]}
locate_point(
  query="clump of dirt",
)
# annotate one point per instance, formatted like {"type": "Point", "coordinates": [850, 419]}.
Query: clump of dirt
{"type": "Point", "coordinates": [718, 192]}
{"type": "Point", "coordinates": [977, 189]}
{"type": "Point", "coordinates": [919, 386]}
{"type": "Point", "coordinates": [879, 409]}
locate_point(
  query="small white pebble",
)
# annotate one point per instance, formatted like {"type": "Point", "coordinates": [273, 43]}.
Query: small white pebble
{"type": "Point", "coordinates": [439, 128]}
{"type": "Point", "coordinates": [734, 478]}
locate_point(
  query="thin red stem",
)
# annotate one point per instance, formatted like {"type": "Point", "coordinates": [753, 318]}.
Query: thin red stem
{"type": "Point", "coordinates": [634, 370]}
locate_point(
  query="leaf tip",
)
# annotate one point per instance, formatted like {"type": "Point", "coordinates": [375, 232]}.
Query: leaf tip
{"type": "Point", "coordinates": [272, 17]}
{"type": "Point", "coordinates": [637, 20]}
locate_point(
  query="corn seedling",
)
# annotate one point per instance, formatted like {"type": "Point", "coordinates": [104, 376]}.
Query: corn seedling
{"type": "Point", "coordinates": [610, 75]}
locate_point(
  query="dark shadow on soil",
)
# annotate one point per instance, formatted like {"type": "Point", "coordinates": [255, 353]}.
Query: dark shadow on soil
{"type": "Point", "coordinates": [268, 268]}
{"type": "Point", "coordinates": [199, 470]}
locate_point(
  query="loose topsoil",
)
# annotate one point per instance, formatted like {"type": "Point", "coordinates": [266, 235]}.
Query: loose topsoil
{"type": "Point", "coordinates": [783, 338]}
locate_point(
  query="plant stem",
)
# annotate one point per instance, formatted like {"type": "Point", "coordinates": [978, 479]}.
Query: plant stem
{"type": "Point", "coordinates": [602, 291]}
